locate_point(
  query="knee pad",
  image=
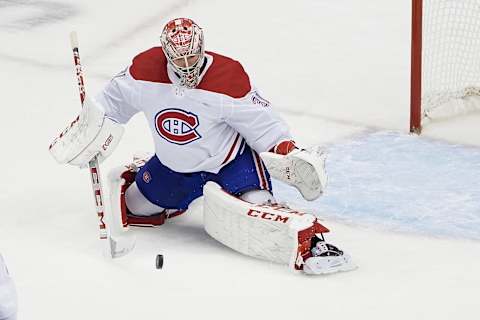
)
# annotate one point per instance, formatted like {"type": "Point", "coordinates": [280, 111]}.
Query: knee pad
{"type": "Point", "coordinates": [258, 197]}
{"type": "Point", "coordinates": [137, 204]}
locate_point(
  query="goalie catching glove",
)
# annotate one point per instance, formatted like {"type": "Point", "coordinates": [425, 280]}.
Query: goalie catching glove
{"type": "Point", "coordinates": [90, 134]}
{"type": "Point", "coordinates": [303, 169]}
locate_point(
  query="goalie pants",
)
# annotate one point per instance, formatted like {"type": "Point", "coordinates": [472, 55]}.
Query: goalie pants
{"type": "Point", "coordinates": [175, 190]}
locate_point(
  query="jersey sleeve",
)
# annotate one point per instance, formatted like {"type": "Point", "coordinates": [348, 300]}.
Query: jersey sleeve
{"type": "Point", "coordinates": [119, 98]}
{"type": "Point", "coordinates": [252, 116]}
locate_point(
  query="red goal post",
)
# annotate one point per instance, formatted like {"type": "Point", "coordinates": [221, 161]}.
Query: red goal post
{"type": "Point", "coordinates": [445, 60]}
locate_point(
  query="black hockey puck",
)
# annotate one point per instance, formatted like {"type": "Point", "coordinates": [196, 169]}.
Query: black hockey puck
{"type": "Point", "coordinates": [159, 261]}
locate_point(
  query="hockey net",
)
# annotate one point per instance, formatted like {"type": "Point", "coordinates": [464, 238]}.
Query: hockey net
{"type": "Point", "coordinates": [445, 59]}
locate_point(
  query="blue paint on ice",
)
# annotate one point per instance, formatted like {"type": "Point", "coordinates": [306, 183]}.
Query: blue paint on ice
{"type": "Point", "coordinates": [400, 182]}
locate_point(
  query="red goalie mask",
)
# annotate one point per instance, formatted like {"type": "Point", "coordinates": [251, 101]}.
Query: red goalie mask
{"type": "Point", "coordinates": [182, 43]}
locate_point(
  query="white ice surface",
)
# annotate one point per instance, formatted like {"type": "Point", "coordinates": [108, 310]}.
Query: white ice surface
{"type": "Point", "coordinates": [400, 182]}
{"type": "Point", "coordinates": [337, 69]}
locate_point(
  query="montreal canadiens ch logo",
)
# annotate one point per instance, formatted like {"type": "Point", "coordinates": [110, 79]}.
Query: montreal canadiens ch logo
{"type": "Point", "coordinates": [177, 126]}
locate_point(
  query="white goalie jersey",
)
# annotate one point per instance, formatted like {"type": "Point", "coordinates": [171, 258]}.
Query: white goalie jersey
{"type": "Point", "coordinates": [198, 129]}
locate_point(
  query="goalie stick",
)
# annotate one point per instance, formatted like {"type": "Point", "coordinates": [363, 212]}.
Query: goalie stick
{"type": "Point", "coordinates": [113, 246]}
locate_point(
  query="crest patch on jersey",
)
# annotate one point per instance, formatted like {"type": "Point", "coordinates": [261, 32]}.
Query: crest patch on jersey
{"type": "Point", "coordinates": [257, 99]}
{"type": "Point", "coordinates": [147, 177]}
{"type": "Point", "coordinates": [177, 126]}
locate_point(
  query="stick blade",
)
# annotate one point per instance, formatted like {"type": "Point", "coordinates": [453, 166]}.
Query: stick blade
{"type": "Point", "coordinates": [119, 246]}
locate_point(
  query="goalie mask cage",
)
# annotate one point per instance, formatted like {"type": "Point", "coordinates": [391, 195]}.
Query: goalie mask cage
{"type": "Point", "coordinates": [445, 60]}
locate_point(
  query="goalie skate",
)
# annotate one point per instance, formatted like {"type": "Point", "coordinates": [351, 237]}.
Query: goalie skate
{"type": "Point", "coordinates": [327, 258]}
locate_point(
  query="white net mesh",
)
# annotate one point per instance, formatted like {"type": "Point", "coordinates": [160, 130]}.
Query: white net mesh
{"type": "Point", "coordinates": [450, 57]}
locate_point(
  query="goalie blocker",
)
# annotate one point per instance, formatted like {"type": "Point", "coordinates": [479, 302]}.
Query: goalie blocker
{"type": "Point", "coordinates": [271, 232]}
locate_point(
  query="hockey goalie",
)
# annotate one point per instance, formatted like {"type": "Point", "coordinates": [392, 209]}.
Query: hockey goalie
{"type": "Point", "coordinates": [215, 136]}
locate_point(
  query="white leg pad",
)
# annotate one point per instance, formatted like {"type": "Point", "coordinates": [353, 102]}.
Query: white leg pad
{"type": "Point", "coordinates": [114, 215]}
{"type": "Point", "coordinates": [121, 241]}
{"type": "Point", "coordinates": [261, 231]}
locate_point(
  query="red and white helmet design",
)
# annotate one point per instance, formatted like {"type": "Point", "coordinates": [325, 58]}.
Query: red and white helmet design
{"type": "Point", "coordinates": [182, 43]}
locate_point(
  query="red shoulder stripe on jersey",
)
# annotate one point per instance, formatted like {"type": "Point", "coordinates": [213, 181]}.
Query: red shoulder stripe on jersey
{"type": "Point", "coordinates": [226, 76]}
{"type": "Point", "coordinates": [150, 65]}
